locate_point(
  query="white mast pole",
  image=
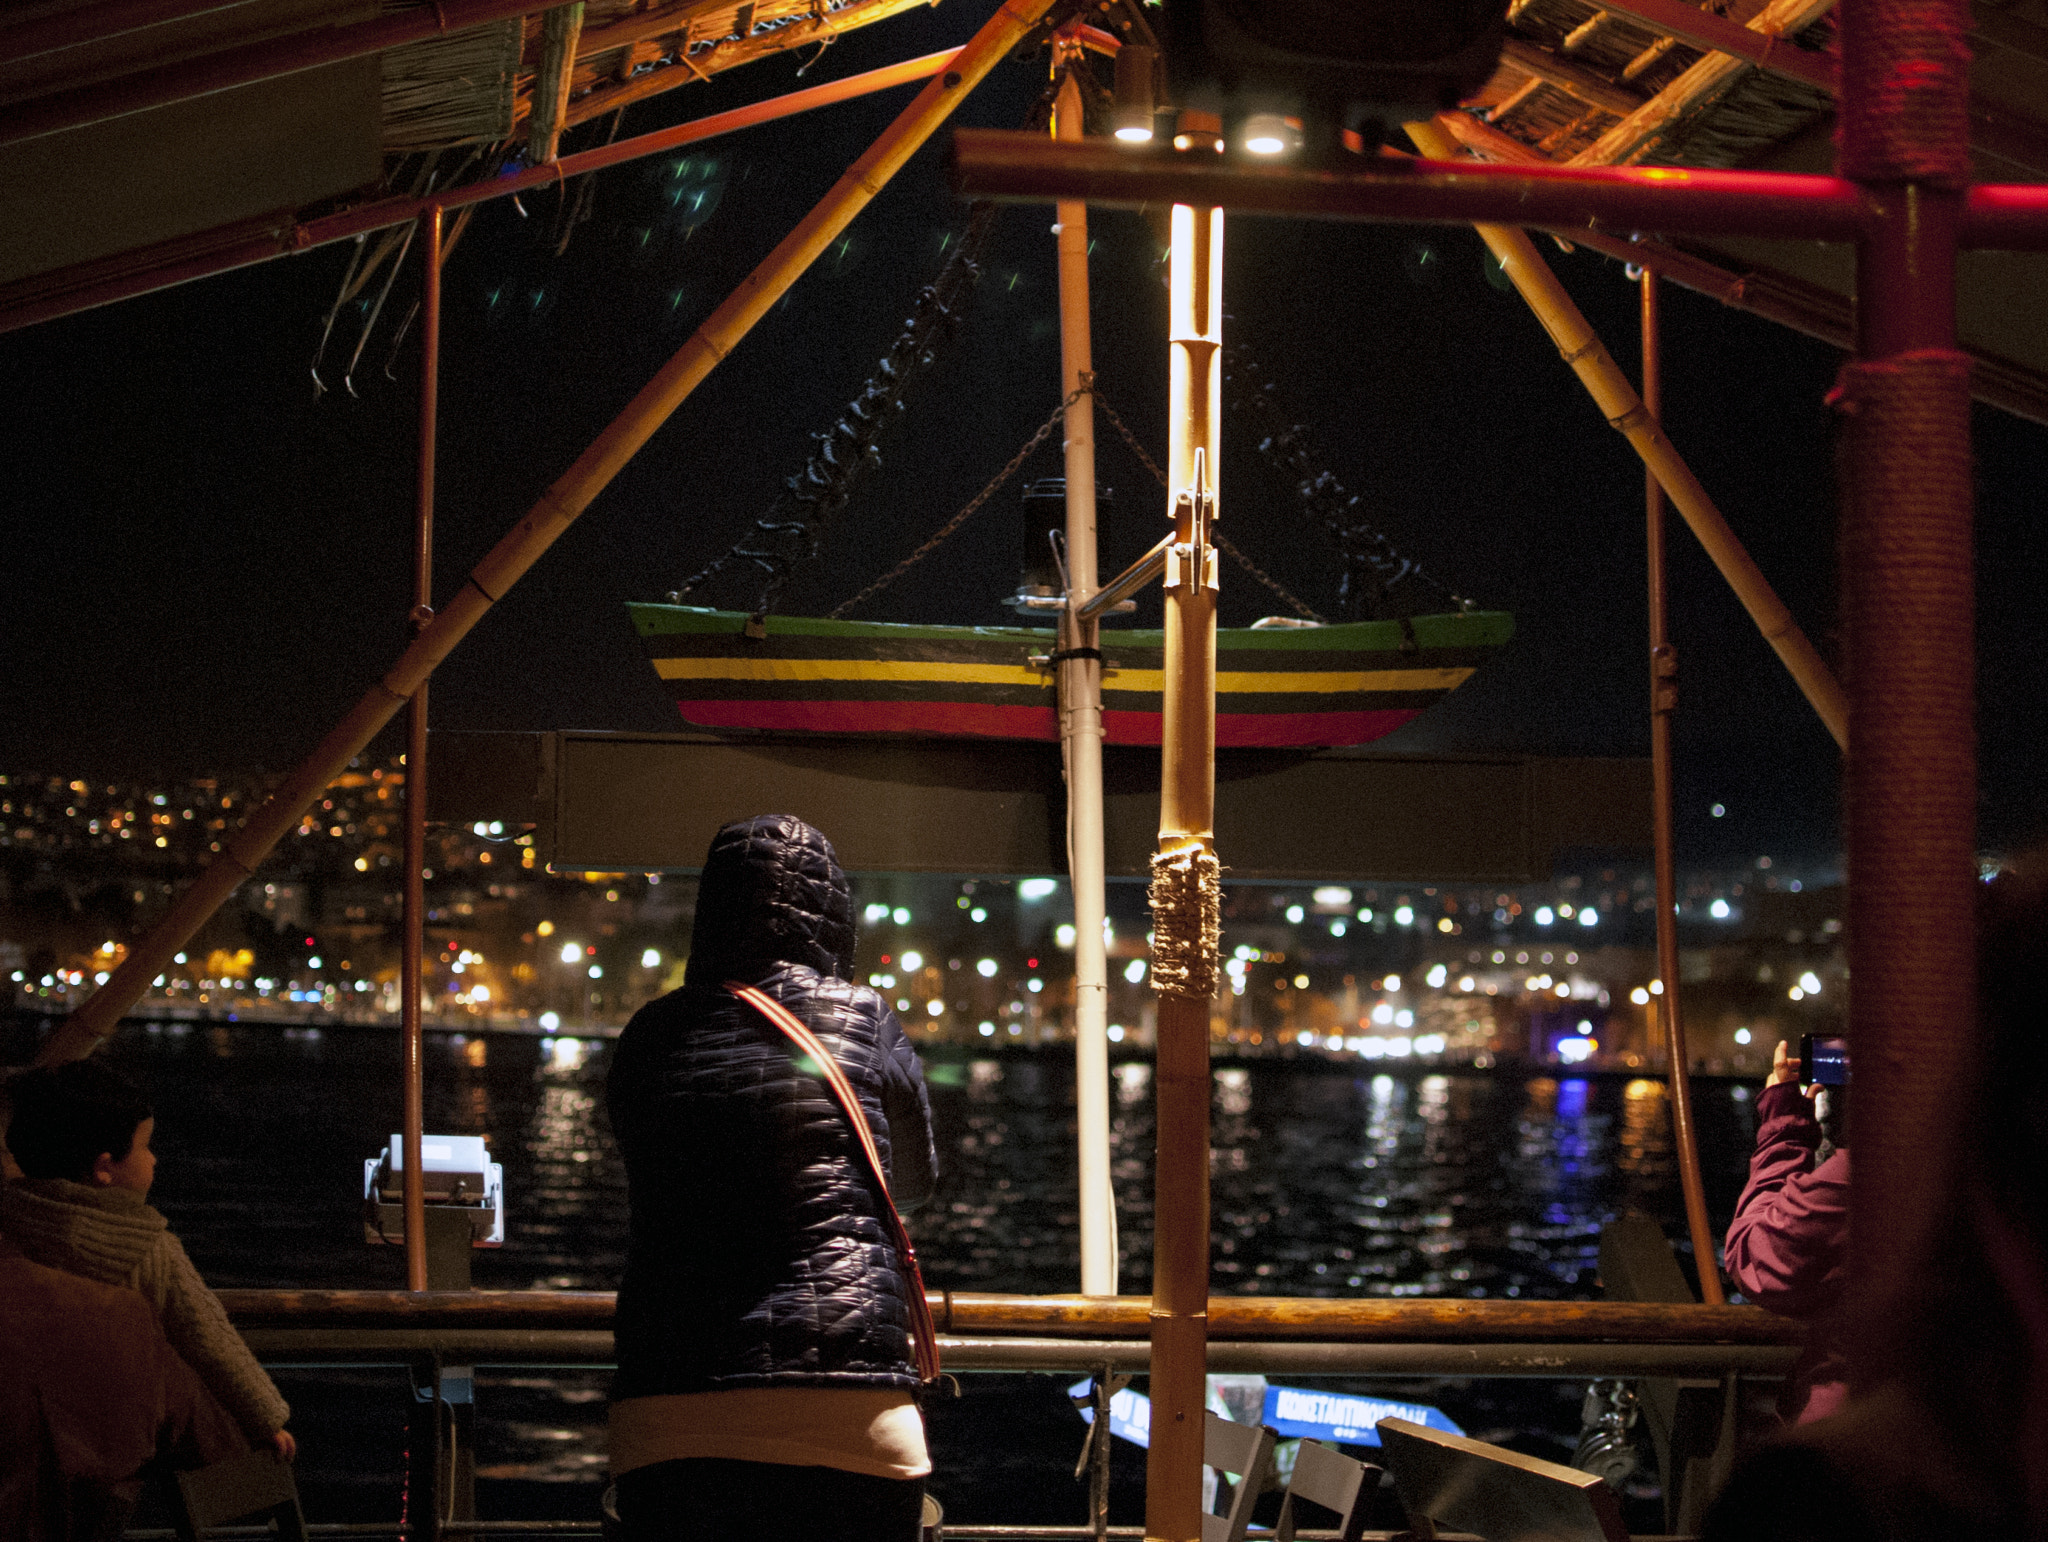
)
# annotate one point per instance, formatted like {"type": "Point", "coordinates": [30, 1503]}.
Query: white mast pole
{"type": "Point", "coordinates": [1081, 741]}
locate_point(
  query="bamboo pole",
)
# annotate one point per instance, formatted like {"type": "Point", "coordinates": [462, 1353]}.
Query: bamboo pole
{"type": "Point", "coordinates": [1185, 894]}
{"type": "Point", "coordinates": [412, 1116]}
{"type": "Point", "coordinates": [506, 563]}
{"type": "Point", "coordinates": [1081, 740]}
{"type": "Point", "coordinates": [1624, 409]}
{"type": "Point", "coordinates": [1663, 698]}
{"type": "Point", "coordinates": [1640, 133]}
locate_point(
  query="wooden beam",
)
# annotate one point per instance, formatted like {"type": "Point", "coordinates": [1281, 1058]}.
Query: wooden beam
{"type": "Point", "coordinates": [663, 21]}
{"type": "Point", "coordinates": [1699, 28]}
{"type": "Point", "coordinates": [1693, 92]}
{"type": "Point", "coordinates": [1589, 86]}
{"type": "Point", "coordinates": [733, 53]}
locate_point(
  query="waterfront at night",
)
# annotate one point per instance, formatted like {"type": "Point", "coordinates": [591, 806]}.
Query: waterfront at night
{"type": "Point", "coordinates": [1327, 1181]}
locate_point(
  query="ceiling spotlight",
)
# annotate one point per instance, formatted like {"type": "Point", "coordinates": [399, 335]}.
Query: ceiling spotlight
{"type": "Point", "coordinates": [1137, 93]}
{"type": "Point", "coordinates": [1268, 133]}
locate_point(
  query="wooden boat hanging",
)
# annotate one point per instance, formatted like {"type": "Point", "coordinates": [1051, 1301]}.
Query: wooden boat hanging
{"type": "Point", "coordinates": [1297, 687]}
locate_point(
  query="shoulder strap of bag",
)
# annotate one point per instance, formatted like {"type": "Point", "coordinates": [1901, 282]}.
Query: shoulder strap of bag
{"type": "Point", "coordinates": [923, 1332]}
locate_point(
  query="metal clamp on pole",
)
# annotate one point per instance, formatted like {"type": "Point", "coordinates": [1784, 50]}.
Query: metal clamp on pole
{"type": "Point", "coordinates": [1192, 563]}
{"type": "Point", "coordinates": [1133, 578]}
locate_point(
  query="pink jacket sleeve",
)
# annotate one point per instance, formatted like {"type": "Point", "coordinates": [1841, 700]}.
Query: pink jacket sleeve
{"type": "Point", "coordinates": [1787, 1248]}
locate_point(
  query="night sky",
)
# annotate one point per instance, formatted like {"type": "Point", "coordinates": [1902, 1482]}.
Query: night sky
{"type": "Point", "coordinates": [207, 565]}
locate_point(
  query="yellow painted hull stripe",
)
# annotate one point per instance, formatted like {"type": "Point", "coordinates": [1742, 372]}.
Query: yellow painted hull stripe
{"type": "Point", "coordinates": [1263, 682]}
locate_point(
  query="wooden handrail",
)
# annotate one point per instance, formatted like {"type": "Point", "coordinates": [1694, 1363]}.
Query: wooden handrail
{"type": "Point", "coordinates": [1275, 1318]}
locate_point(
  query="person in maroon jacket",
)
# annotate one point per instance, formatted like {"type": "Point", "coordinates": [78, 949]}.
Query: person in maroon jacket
{"type": "Point", "coordinates": [1788, 1246]}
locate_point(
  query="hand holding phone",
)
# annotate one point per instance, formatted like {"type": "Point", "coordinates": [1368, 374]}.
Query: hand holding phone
{"type": "Point", "coordinates": [1784, 1067]}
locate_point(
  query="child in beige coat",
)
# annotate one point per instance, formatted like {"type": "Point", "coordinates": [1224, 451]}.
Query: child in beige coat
{"type": "Point", "coordinates": [81, 1134]}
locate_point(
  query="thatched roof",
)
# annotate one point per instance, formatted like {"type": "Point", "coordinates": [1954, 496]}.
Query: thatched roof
{"type": "Point", "coordinates": [1641, 81]}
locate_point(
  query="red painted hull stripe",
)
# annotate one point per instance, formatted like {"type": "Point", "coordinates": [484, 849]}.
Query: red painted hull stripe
{"type": "Point", "coordinates": [984, 721]}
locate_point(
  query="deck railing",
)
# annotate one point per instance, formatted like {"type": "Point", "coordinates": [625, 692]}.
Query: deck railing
{"type": "Point", "coordinates": [1278, 1335]}
{"type": "Point", "coordinates": [984, 1332]}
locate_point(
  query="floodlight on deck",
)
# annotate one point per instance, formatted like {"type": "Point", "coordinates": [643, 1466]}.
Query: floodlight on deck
{"type": "Point", "coordinates": [460, 1179]}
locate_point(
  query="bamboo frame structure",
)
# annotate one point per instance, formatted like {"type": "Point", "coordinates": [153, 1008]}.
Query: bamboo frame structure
{"type": "Point", "coordinates": [507, 562]}
{"type": "Point", "coordinates": [1184, 884]}
{"type": "Point", "coordinates": [1081, 739]}
{"type": "Point", "coordinates": [1701, 28]}
{"type": "Point", "coordinates": [1624, 409]}
{"type": "Point", "coordinates": [1816, 312]}
{"type": "Point", "coordinates": [1696, 89]}
{"type": "Point", "coordinates": [1663, 699]}
{"type": "Point", "coordinates": [87, 285]}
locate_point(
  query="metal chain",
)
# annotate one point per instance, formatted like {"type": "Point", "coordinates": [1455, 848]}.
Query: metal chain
{"type": "Point", "coordinates": [995, 485]}
{"type": "Point", "coordinates": [1299, 607]}
{"type": "Point", "coordinates": [1087, 387]}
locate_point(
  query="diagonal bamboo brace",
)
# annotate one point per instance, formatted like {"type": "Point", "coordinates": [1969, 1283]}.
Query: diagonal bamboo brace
{"type": "Point", "coordinates": [1624, 409]}
{"type": "Point", "coordinates": [521, 547]}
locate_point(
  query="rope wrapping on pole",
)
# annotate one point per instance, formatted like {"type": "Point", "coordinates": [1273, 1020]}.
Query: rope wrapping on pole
{"type": "Point", "coordinates": [1908, 601]}
{"type": "Point", "coordinates": [1909, 119]}
{"type": "Point", "coordinates": [1186, 896]}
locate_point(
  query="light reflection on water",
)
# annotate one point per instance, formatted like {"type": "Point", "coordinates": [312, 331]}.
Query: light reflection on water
{"type": "Point", "coordinates": [1323, 1181]}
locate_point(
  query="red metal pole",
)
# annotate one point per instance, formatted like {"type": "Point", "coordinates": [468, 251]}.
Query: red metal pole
{"type": "Point", "coordinates": [1908, 602]}
{"type": "Point", "coordinates": [176, 262]}
{"type": "Point", "coordinates": [990, 163]}
{"type": "Point", "coordinates": [2007, 217]}
{"type": "Point", "coordinates": [416, 763]}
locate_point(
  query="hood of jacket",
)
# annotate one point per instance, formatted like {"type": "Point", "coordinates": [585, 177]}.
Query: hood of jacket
{"type": "Point", "coordinates": [772, 894]}
{"type": "Point", "coordinates": [81, 1228]}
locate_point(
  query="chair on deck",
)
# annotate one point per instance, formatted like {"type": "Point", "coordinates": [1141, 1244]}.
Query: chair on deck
{"type": "Point", "coordinates": [1333, 1480]}
{"type": "Point", "coordinates": [1247, 1450]}
{"type": "Point", "coordinates": [1501, 1495]}
{"type": "Point", "coordinates": [257, 1487]}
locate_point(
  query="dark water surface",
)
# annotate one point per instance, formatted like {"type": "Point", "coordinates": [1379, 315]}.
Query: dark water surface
{"type": "Point", "coordinates": [1327, 1180]}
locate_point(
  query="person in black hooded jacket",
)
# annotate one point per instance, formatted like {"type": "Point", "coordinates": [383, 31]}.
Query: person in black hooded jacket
{"type": "Point", "coordinates": [765, 1383]}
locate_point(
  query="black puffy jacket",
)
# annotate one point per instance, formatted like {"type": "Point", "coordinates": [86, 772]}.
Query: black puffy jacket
{"type": "Point", "coordinates": [759, 1255]}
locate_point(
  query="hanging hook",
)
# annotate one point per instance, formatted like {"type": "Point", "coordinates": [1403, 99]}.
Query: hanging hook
{"type": "Point", "coordinates": [334, 310]}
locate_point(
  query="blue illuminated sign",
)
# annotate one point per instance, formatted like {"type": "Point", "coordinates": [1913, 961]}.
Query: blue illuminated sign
{"type": "Point", "coordinates": [1341, 1418]}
